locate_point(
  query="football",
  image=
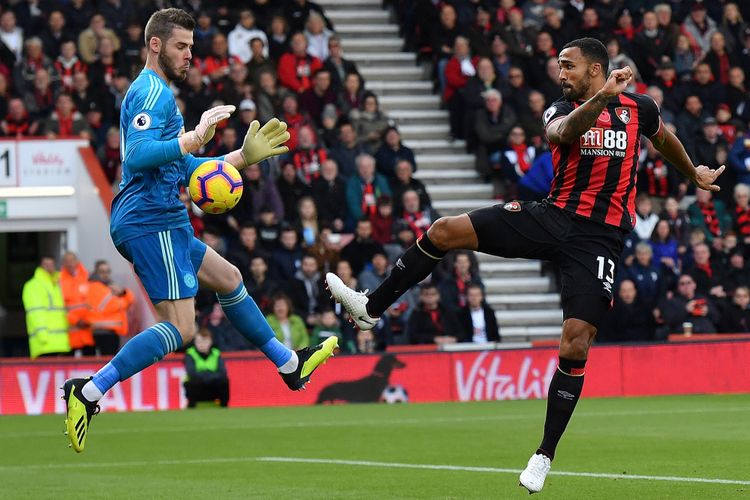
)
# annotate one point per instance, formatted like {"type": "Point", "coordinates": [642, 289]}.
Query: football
{"type": "Point", "coordinates": [394, 394]}
{"type": "Point", "coordinates": [215, 186]}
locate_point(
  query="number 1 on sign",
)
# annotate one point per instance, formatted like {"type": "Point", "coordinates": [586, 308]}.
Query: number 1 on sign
{"type": "Point", "coordinates": [7, 165]}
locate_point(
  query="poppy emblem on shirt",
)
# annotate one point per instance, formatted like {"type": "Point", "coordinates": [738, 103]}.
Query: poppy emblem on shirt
{"type": "Point", "coordinates": [623, 114]}
{"type": "Point", "coordinates": [142, 121]}
{"type": "Point", "coordinates": [512, 206]}
{"type": "Point", "coordinates": [604, 116]}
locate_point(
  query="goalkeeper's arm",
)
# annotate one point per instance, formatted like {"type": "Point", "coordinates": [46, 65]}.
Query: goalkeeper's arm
{"type": "Point", "coordinates": [260, 143]}
{"type": "Point", "coordinates": [145, 151]}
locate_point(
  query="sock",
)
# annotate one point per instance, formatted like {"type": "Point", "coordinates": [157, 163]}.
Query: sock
{"type": "Point", "coordinates": [564, 391]}
{"type": "Point", "coordinates": [412, 267]}
{"type": "Point", "coordinates": [141, 351]}
{"type": "Point", "coordinates": [245, 316]}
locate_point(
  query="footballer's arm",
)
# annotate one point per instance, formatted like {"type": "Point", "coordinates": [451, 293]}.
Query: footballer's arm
{"type": "Point", "coordinates": [674, 152]}
{"type": "Point", "coordinates": [569, 128]}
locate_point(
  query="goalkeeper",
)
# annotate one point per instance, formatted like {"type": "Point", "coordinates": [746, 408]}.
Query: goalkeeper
{"type": "Point", "coordinates": [150, 227]}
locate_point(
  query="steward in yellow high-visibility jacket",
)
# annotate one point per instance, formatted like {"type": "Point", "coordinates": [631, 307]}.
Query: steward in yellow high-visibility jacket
{"type": "Point", "coordinates": [46, 321]}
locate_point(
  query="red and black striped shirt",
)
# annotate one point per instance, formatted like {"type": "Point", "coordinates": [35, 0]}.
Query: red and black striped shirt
{"type": "Point", "coordinates": [595, 176]}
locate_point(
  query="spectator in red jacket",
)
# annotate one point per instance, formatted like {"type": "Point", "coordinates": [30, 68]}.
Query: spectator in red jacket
{"type": "Point", "coordinates": [216, 66]}
{"type": "Point", "coordinates": [459, 69]}
{"type": "Point", "coordinates": [297, 67]}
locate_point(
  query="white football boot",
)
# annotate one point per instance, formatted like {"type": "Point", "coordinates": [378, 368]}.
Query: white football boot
{"type": "Point", "coordinates": [533, 476]}
{"type": "Point", "coordinates": [354, 302]}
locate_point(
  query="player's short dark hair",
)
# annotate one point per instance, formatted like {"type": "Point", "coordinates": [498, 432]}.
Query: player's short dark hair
{"type": "Point", "coordinates": [248, 224]}
{"type": "Point", "coordinates": [593, 50]}
{"type": "Point", "coordinates": [162, 22]}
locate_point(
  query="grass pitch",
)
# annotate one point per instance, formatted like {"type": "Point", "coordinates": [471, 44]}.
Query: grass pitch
{"type": "Point", "coordinates": [386, 451]}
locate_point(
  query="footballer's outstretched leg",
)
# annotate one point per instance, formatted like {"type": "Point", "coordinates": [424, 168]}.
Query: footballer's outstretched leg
{"type": "Point", "coordinates": [309, 359]}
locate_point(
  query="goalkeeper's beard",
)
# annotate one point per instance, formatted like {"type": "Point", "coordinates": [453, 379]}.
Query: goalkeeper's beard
{"type": "Point", "coordinates": [166, 67]}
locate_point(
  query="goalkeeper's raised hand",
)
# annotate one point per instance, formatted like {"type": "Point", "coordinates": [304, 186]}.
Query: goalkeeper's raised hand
{"type": "Point", "coordinates": [263, 142]}
{"type": "Point", "coordinates": [204, 131]}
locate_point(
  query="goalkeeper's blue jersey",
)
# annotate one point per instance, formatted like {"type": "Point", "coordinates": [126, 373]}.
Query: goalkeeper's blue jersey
{"type": "Point", "coordinates": [153, 169]}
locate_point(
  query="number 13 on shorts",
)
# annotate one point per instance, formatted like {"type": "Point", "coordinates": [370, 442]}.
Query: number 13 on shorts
{"type": "Point", "coordinates": [610, 277]}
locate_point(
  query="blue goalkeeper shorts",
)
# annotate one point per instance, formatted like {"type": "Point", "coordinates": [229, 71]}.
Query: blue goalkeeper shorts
{"type": "Point", "coordinates": [167, 262]}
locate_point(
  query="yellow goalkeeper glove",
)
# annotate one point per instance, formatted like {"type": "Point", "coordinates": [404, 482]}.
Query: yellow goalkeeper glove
{"type": "Point", "coordinates": [204, 131]}
{"type": "Point", "coordinates": [263, 142]}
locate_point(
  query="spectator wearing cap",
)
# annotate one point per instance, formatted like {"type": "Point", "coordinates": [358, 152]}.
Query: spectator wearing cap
{"type": "Point", "coordinates": [391, 152]}
{"type": "Point", "coordinates": [18, 122]}
{"type": "Point", "coordinates": [650, 45]}
{"type": "Point", "coordinates": [460, 67]}
{"type": "Point", "coordinates": [258, 62]}
{"type": "Point", "coordinates": [314, 99]}
{"type": "Point", "coordinates": [247, 112]}
{"type": "Point", "coordinates": [239, 38]}
{"type": "Point", "coordinates": [337, 65]}
{"type": "Point", "coordinates": [329, 193]}
{"type": "Point", "coordinates": [673, 90]}
{"type": "Point", "coordinates": [699, 28]}
{"type": "Point", "coordinates": [296, 68]}
{"type": "Point", "coordinates": [708, 143]}
{"type": "Point", "coordinates": [720, 59]}
{"type": "Point", "coordinates": [492, 126]}
{"type": "Point", "coordinates": [90, 38]}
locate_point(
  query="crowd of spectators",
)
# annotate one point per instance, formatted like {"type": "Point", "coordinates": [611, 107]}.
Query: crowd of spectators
{"type": "Point", "coordinates": [344, 198]}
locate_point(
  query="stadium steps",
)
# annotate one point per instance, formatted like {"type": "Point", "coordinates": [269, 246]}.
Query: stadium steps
{"type": "Point", "coordinates": [527, 308]}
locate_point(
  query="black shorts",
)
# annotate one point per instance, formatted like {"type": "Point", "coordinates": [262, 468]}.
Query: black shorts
{"type": "Point", "coordinates": [586, 252]}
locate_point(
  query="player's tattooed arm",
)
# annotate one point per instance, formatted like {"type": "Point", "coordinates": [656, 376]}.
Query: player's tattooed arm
{"type": "Point", "coordinates": [569, 128]}
{"type": "Point", "coordinates": [674, 152]}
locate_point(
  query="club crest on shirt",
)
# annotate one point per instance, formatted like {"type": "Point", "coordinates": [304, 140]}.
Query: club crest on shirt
{"type": "Point", "coordinates": [142, 121]}
{"type": "Point", "coordinates": [623, 114]}
{"type": "Point", "coordinates": [512, 206]}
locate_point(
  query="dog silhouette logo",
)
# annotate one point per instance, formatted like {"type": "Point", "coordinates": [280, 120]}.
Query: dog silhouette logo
{"type": "Point", "coordinates": [367, 389]}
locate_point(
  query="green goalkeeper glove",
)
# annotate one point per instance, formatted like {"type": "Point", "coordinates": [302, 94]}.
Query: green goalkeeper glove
{"type": "Point", "coordinates": [261, 143]}
{"type": "Point", "coordinates": [204, 131]}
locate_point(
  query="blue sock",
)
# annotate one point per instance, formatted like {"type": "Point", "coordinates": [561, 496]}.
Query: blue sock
{"type": "Point", "coordinates": [244, 314]}
{"type": "Point", "coordinates": [141, 351]}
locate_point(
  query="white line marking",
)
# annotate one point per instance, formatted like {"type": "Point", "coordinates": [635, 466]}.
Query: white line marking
{"type": "Point", "coordinates": [598, 475]}
{"type": "Point", "coordinates": [379, 422]}
{"type": "Point", "coordinates": [363, 463]}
